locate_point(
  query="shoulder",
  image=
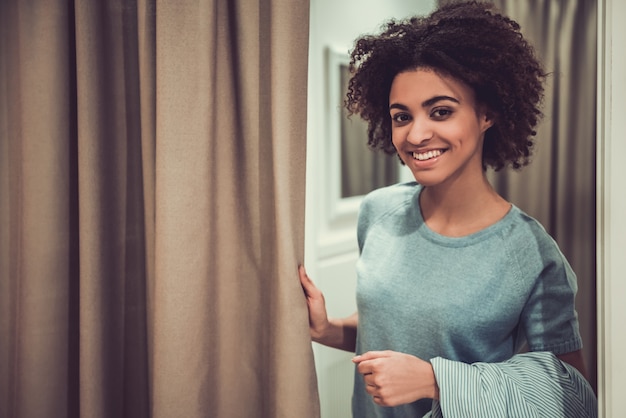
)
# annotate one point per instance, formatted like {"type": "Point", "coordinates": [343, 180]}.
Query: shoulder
{"type": "Point", "coordinates": [536, 254]}
{"type": "Point", "coordinates": [388, 199]}
{"type": "Point", "coordinates": [382, 203]}
{"type": "Point", "coordinates": [530, 236]}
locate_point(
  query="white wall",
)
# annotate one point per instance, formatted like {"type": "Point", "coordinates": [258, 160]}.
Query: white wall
{"type": "Point", "coordinates": [331, 249]}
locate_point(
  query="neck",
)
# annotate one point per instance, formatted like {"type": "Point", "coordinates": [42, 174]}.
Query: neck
{"type": "Point", "coordinates": [462, 207]}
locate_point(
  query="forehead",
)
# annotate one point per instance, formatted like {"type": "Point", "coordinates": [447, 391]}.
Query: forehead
{"type": "Point", "coordinates": [423, 84]}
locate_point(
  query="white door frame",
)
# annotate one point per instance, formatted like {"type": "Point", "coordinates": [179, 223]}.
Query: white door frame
{"type": "Point", "coordinates": [611, 208]}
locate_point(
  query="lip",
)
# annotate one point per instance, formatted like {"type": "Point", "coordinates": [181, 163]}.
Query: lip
{"type": "Point", "coordinates": [426, 163]}
{"type": "Point", "coordinates": [428, 154]}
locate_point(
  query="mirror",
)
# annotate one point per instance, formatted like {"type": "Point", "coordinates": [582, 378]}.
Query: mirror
{"type": "Point", "coordinates": [361, 169]}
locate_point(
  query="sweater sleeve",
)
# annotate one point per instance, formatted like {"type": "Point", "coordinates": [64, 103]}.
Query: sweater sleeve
{"type": "Point", "coordinates": [535, 384]}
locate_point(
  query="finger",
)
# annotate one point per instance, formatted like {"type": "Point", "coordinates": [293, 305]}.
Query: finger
{"type": "Point", "coordinates": [370, 380]}
{"type": "Point", "coordinates": [306, 281]}
{"type": "Point", "coordinates": [378, 400]}
{"type": "Point", "coordinates": [371, 390]}
{"type": "Point", "coordinates": [302, 274]}
{"type": "Point", "coordinates": [365, 368]}
{"type": "Point", "coordinates": [371, 355]}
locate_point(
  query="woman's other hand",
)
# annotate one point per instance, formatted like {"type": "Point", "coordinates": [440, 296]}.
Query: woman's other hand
{"type": "Point", "coordinates": [338, 333]}
{"type": "Point", "coordinates": [318, 317]}
{"type": "Point", "coordinates": [394, 378]}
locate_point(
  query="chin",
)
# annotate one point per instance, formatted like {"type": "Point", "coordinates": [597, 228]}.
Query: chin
{"type": "Point", "coordinates": [428, 181]}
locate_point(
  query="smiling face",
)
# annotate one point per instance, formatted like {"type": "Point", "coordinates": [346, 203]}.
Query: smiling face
{"type": "Point", "coordinates": [437, 128]}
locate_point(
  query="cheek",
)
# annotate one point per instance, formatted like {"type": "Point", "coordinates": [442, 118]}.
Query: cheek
{"type": "Point", "coordinates": [396, 141]}
{"type": "Point", "coordinates": [464, 133]}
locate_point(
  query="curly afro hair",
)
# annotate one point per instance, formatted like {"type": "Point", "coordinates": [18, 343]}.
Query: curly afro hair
{"type": "Point", "coordinates": [471, 43]}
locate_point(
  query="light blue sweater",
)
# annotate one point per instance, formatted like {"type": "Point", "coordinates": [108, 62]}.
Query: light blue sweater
{"type": "Point", "coordinates": [477, 298]}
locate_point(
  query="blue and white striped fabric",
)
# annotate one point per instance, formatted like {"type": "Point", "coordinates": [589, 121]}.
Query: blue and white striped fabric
{"type": "Point", "coordinates": [535, 384]}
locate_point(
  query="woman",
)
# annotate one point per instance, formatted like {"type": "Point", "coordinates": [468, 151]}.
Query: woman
{"type": "Point", "coordinates": [448, 269]}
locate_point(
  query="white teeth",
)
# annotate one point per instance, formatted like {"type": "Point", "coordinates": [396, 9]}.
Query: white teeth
{"type": "Point", "coordinates": [422, 156]}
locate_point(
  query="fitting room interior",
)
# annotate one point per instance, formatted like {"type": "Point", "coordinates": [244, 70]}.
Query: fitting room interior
{"type": "Point", "coordinates": [160, 182]}
{"type": "Point", "coordinates": [566, 154]}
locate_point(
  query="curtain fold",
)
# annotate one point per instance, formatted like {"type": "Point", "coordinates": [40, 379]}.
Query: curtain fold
{"type": "Point", "coordinates": [37, 282]}
{"type": "Point", "coordinates": [152, 209]}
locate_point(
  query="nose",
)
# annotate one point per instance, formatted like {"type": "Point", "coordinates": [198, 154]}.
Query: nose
{"type": "Point", "coordinates": [421, 131]}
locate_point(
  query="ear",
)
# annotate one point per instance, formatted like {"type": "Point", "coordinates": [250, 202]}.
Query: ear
{"type": "Point", "coordinates": [486, 120]}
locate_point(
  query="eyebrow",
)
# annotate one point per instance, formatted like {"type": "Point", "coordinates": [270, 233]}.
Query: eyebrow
{"type": "Point", "coordinates": [425, 103]}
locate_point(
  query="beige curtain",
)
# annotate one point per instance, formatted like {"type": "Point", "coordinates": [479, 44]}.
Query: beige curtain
{"type": "Point", "coordinates": [152, 209]}
{"type": "Point", "coordinates": [558, 188]}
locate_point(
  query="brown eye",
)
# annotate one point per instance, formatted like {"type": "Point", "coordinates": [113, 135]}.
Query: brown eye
{"type": "Point", "coordinates": [440, 113]}
{"type": "Point", "coordinates": [401, 118]}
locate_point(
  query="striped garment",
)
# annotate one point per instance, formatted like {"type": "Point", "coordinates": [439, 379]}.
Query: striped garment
{"type": "Point", "coordinates": [535, 384]}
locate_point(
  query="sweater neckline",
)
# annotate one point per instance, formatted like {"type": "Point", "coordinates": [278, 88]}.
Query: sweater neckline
{"type": "Point", "coordinates": [465, 240]}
